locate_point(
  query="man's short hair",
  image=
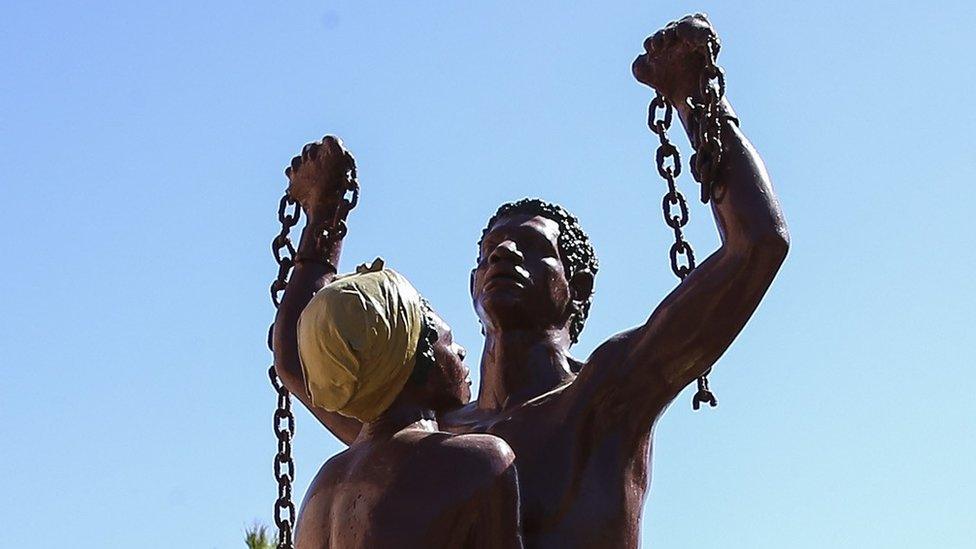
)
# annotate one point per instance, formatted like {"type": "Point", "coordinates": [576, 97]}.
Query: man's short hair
{"type": "Point", "coordinates": [574, 246]}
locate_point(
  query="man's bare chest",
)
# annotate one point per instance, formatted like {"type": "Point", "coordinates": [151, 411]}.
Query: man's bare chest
{"type": "Point", "coordinates": [576, 477]}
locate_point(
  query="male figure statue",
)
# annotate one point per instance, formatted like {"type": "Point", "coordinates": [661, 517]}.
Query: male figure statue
{"type": "Point", "coordinates": [582, 431]}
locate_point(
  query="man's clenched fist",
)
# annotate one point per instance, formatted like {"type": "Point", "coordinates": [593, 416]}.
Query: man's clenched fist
{"type": "Point", "coordinates": [675, 56]}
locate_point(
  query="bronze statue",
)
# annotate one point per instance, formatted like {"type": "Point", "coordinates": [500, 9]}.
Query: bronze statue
{"type": "Point", "coordinates": [373, 349]}
{"type": "Point", "coordinates": [582, 430]}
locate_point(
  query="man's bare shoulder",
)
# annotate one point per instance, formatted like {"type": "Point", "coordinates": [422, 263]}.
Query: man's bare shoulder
{"type": "Point", "coordinates": [485, 452]}
{"type": "Point", "coordinates": [604, 363]}
{"type": "Point", "coordinates": [461, 464]}
{"type": "Point", "coordinates": [419, 445]}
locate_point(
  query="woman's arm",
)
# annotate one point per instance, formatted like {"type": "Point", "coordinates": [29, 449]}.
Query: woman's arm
{"type": "Point", "coordinates": [319, 179]}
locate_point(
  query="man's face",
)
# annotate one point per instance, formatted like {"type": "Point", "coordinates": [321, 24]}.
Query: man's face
{"type": "Point", "coordinates": [519, 282]}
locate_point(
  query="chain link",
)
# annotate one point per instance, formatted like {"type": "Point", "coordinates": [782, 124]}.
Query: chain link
{"type": "Point", "coordinates": [285, 256]}
{"type": "Point", "coordinates": [707, 139]}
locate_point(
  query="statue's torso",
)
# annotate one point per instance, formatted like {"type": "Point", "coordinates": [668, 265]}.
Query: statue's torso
{"type": "Point", "coordinates": [392, 495]}
{"type": "Point", "coordinates": [582, 482]}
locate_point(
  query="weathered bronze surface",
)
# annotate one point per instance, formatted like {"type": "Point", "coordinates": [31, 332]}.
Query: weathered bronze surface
{"type": "Point", "coordinates": [581, 431]}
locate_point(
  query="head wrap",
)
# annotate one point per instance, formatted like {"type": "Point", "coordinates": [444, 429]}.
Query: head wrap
{"type": "Point", "coordinates": [357, 340]}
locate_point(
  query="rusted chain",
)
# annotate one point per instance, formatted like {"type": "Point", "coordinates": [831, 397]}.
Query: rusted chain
{"type": "Point", "coordinates": [284, 421]}
{"type": "Point", "coordinates": [707, 140]}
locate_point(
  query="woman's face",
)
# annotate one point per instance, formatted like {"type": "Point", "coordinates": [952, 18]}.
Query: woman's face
{"type": "Point", "coordinates": [450, 379]}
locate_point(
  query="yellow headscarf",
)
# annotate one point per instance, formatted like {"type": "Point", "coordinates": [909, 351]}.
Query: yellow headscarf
{"type": "Point", "coordinates": [357, 340]}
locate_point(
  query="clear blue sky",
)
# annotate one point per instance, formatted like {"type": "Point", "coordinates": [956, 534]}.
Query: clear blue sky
{"type": "Point", "coordinates": [142, 150]}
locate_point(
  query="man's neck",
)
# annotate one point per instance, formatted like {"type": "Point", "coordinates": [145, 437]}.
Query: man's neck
{"type": "Point", "coordinates": [519, 365]}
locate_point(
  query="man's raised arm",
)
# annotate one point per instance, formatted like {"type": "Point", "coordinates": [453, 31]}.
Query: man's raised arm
{"type": "Point", "coordinates": [317, 180]}
{"type": "Point", "coordinates": [698, 320]}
